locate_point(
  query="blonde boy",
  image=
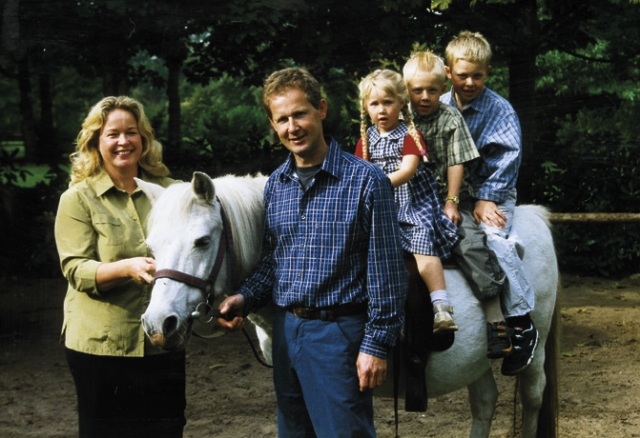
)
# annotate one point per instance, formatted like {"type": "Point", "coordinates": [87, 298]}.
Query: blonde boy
{"type": "Point", "coordinates": [495, 129]}
{"type": "Point", "coordinates": [443, 128]}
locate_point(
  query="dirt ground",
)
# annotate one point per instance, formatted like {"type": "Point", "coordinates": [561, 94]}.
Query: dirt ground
{"type": "Point", "coordinates": [230, 395]}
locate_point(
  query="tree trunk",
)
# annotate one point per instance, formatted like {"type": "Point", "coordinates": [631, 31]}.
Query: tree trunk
{"type": "Point", "coordinates": [47, 144]}
{"type": "Point", "coordinates": [27, 122]}
{"type": "Point", "coordinates": [522, 83]}
{"type": "Point", "coordinates": [173, 93]}
{"type": "Point", "coordinates": [115, 82]}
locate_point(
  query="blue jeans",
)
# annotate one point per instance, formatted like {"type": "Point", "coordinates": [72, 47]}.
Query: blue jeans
{"type": "Point", "coordinates": [315, 377]}
{"type": "Point", "coordinates": [506, 250]}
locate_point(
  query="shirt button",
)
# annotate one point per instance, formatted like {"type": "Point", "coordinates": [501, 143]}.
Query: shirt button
{"type": "Point", "coordinates": [134, 218]}
{"type": "Point", "coordinates": [141, 241]}
{"type": "Point", "coordinates": [303, 217]}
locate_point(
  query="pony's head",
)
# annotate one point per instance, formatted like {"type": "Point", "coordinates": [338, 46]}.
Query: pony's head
{"type": "Point", "coordinates": [185, 229]}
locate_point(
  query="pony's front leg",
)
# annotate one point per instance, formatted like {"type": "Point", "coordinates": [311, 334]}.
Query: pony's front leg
{"type": "Point", "coordinates": [483, 396]}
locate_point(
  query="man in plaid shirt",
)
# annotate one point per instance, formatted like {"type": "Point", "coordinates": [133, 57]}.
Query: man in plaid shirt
{"type": "Point", "coordinates": [332, 263]}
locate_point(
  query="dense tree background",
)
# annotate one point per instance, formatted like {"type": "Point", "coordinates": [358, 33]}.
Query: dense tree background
{"type": "Point", "coordinates": [570, 68]}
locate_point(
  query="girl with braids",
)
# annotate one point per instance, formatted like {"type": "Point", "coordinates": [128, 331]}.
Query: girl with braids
{"type": "Point", "coordinates": [394, 145]}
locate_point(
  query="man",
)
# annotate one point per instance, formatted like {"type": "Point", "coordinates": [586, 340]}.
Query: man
{"type": "Point", "coordinates": [332, 263]}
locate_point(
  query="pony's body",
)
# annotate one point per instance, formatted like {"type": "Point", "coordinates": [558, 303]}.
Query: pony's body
{"type": "Point", "coordinates": [186, 226]}
{"type": "Point", "coordinates": [466, 363]}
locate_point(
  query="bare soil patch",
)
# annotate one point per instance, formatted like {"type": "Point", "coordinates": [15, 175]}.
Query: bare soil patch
{"type": "Point", "coordinates": [230, 395]}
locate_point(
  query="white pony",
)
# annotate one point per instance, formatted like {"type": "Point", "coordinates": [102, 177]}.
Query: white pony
{"type": "Point", "coordinates": [186, 227]}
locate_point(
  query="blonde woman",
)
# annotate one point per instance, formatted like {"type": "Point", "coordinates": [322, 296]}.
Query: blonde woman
{"type": "Point", "coordinates": [394, 144]}
{"type": "Point", "coordinates": [125, 386]}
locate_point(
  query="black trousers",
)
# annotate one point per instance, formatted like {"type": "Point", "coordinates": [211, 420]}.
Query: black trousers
{"type": "Point", "coordinates": [122, 397]}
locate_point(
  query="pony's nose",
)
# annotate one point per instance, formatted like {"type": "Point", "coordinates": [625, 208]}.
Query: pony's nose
{"type": "Point", "coordinates": [170, 325]}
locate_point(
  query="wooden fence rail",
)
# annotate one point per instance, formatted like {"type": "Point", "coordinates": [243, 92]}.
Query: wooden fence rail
{"type": "Point", "coordinates": [563, 218]}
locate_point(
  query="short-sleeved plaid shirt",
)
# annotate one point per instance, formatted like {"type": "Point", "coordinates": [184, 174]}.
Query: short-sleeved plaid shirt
{"type": "Point", "coordinates": [495, 129]}
{"type": "Point", "coordinates": [335, 242]}
{"type": "Point", "coordinates": [449, 143]}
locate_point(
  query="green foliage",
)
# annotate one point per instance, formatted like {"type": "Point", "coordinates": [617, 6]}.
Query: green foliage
{"type": "Point", "coordinates": [74, 96]}
{"type": "Point", "coordinates": [586, 88]}
{"type": "Point", "coordinates": [224, 129]}
{"type": "Point", "coordinates": [26, 215]}
{"type": "Point", "coordinates": [10, 172]}
{"type": "Point", "coordinates": [595, 168]}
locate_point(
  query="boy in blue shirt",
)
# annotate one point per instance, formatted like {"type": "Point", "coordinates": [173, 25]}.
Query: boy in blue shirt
{"type": "Point", "coordinates": [487, 218]}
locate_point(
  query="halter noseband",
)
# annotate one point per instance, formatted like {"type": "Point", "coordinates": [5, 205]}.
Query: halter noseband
{"type": "Point", "coordinates": [206, 284]}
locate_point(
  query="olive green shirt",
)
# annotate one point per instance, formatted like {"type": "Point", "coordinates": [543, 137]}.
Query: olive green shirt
{"type": "Point", "coordinates": [98, 223]}
{"type": "Point", "coordinates": [449, 142]}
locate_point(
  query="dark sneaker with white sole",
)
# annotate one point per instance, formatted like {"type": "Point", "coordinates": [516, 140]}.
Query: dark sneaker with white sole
{"type": "Point", "coordinates": [525, 340]}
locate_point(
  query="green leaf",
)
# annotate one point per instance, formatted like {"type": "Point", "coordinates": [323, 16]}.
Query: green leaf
{"type": "Point", "coordinates": [218, 365]}
{"type": "Point", "coordinates": [441, 4]}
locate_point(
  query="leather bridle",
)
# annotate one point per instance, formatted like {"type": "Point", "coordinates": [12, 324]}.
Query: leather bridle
{"type": "Point", "coordinates": [225, 247]}
{"type": "Point", "coordinates": [206, 284]}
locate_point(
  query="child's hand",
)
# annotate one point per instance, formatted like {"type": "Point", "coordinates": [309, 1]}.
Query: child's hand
{"type": "Point", "coordinates": [489, 213]}
{"type": "Point", "coordinates": [451, 210]}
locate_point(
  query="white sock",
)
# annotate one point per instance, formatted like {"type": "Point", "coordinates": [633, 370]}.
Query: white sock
{"type": "Point", "coordinates": [439, 297]}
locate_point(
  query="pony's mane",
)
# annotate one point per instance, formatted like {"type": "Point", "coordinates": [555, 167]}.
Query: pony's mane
{"type": "Point", "coordinates": [242, 200]}
{"type": "Point", "coordinates": [180, 199]}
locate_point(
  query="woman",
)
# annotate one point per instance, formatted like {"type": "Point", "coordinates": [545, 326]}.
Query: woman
{"type": "Point", "coordinates": [125, 386]}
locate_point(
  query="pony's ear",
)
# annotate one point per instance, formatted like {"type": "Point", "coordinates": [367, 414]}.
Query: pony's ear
{"type": "Point", "coordinates": [202, 187]}
{"type": "Point", "coordinates": [153, 191]}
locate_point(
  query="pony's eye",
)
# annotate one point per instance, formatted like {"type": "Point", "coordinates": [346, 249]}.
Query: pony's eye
{"type": "Point", "coordinates": [202, 242]}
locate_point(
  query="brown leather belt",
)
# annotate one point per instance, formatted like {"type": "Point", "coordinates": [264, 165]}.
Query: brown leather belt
{"type": "Point", "coordinates": [328, 313]}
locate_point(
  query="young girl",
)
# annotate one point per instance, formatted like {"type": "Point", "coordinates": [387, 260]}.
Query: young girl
{"type": "Point", "coordinates": [399, 150]}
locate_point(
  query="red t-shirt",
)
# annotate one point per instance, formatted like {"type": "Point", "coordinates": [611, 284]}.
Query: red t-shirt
{"type": "Point", "coordinates": [409, 146]}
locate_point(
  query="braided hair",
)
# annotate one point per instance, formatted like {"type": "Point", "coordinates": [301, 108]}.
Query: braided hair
{"type": "Point", "coordinates": [392, 83]}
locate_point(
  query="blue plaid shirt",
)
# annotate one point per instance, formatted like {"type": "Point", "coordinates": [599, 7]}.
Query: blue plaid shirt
{"type": "Point", "coordinates": [337, 242]}
{"type": "Point", "coordinates": [495, 129]}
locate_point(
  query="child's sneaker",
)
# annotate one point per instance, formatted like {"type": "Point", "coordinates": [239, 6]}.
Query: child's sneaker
{"type": "Point", "coordinates": [442, 321]}
{"type": "Point", "coordinates": [525, 341]}
{"type": "Point", "coordinates": [499, 340]}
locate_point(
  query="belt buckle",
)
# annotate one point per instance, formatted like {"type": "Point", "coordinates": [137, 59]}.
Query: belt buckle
{"type": "Point", "coordinates": [302, 312]}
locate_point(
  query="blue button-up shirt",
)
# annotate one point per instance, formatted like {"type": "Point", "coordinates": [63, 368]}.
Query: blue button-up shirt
{"type": "Point", "coordinates": [495, 129]}
{"type": "Point", "coordinates": [337, 242]}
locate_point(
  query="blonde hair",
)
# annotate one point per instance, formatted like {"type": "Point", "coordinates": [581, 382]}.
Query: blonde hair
{"type": "Point", "coordinates": [283, 80]}
{"type": "Point", "coordinates": [423, 61]}
{"type": "Point", "coordinates": [391, 83]}
{"type": "Point", "coordinates": [468, 46]}
{"type": "Point", "coordinates": [86, 161]}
